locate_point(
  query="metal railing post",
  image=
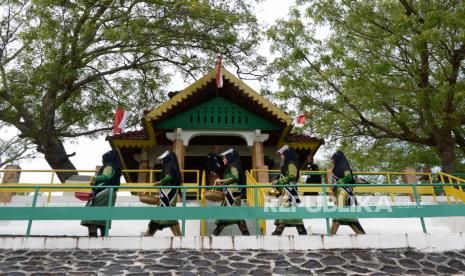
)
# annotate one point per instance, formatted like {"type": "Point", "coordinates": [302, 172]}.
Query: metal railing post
{"type": "Point", "coordinates": [34, 202]}
{"type": "Point", "coordinates": [183, 230]}
{"type": "Point", "coordinates": [422, 220]}
{"type": "Point", "coordinates": [325, 207]}
{"type": "Point", "coordinates": [257, 221]}
{"type": "Point", "coordinates": [51, 182]}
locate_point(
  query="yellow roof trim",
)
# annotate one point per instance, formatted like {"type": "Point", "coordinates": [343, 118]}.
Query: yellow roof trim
{"type": "Point", "coordinates": [191, 89]}
{"type": "Point", "coordinates": [134, 143]}
{"type": "Point", "coordinates": [304, 145]}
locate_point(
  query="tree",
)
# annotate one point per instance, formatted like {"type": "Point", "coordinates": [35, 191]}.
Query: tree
{"type": "Point", "coordinates": [13, 149]}
{"type": "Point", "coordinates": [388, 70]}
{"type": "Point", "coordinates": [65, 65]}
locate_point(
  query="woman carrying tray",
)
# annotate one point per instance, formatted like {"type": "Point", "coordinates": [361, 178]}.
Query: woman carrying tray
{"type": "Point", "coordinates": [108, 175]}
{"type": "Point", "coordinates": [288, 196]}
{"type": "Point", "coordinates": [171, 176]}
{"type": "Point", "coordinates": [342, 174]}
{"type": "Point", "coordinates": [232, 196]}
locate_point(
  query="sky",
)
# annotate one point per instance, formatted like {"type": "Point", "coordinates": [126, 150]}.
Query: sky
{"type": "Point", "coordinates": [89, 151]}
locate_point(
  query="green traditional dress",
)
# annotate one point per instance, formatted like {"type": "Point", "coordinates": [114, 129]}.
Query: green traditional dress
{"type": "Point", "coordinates": [342, 174]}
{"type": "Point", "coordinates": [289, 197]}
{"type": "Point", "coordinates": [107, 176]}
{"type": "Point", "coordinates": [168, 198]}
{"type": "Point", "coordinates": [344, 196]}
{"type": "Point", "coordinates": [232, 195]}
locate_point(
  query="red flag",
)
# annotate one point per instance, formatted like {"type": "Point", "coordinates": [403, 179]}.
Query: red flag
{"type": "Point", "coordinates": [300, 120]}
{"type": "Point", "coordinates": [119, 122]}
{"type": "Point", "coordinates": [219, 76]}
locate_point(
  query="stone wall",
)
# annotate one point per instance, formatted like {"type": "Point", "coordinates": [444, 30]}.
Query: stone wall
{"type": "Point", "coordinates": [226, 262]}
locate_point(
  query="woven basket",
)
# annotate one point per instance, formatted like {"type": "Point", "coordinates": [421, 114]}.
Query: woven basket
{"type": "Point", "coordinates": [214, 195]}
{"type": "Point", "coordinates": [149, 198]}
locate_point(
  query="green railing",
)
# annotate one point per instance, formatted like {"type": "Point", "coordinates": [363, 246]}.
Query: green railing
{"type": "Point", "coordinates": [418, 210]}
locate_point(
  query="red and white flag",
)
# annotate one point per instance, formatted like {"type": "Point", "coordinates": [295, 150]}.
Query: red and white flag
{"type": "Point", "coordinates": [219, 76]}
{"type": "Point", "coordinates": [299, 121]}
{"type": "Point", "coordinates": [119, 123]}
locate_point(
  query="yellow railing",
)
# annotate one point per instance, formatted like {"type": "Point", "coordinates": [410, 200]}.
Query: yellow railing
{"type": "Point", "coordinates": [52, 185]}
{"type": "Point", "coordinates": [256, 198]}
{"type": "Point", "coordinates": [391, 190]}
{"type": "Point", "coordinates": [203, 223]}
{"type": "Point", "coordinates": [455, 191]}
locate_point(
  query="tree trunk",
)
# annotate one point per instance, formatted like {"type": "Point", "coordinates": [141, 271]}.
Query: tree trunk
{"type": "Point", "coordinates": [446, 148]}
{"type": "Point", "coordinates": [56, 156]}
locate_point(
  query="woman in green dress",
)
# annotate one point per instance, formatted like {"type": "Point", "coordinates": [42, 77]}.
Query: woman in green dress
{"type": "Point", "coordinates": [288, 196]}
{"type": "Point", "coordinates": [232, 196]}
{"type": "Point", "coordinates": [108, 175]}
{"type": "Point", "coordinates": [342, 174]}
{"type": "Point", "coordinates": [171, 176]}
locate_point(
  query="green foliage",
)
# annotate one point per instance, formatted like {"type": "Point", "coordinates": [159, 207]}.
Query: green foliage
{"type": "Point", "coordinates": [66, 65]}
{"type": "Point", "coordinates": [388, 70]}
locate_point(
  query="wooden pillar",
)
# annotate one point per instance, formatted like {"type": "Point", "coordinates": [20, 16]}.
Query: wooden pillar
{"type": "Point", "coordinates": [10, 178]}
{"type": "Point", "coordinates": [410, 178]}
{"type": "Point", "coordinates": [178, 149]}
{"type": "Point", "coordinates": [144, 177]}
{"type": "Point", "coordinates": [258, 157]}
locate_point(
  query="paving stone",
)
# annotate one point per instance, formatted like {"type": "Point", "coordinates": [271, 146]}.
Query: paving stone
{"type": "Point", "coordinates": [221, 269]}
{"type": "Point", "coordinates": [270, 256]}
{"type": "Point", "coordinates": [282, 264]}
{"type": "Point", "coordinates": [387, 261]}
{"type": "Point", "coordinates": [436, 258]}
{"type": "Point", "coordinates": [297, 260]}
{"type": "Point", "coordinates": [157, 268]}
{"type": "Point", "coordinates": [179, 255]}
{"type": "Point", "coordinates": [413, 272]}
{"type": "Point", "coordinates": [392, 269]}
{"type": "Point", "coordinates": [311, 264]}
{"type": "Point", "coordinates": [184, 273]}
{"type": "Point", "coordinates": [292, 255]}
{"type": "Point", "coordinates": [414, 255]}
{"type": "Point", "coordinates": [242, 265]}
{"type": "Point", "coordinates": [226, 253]}
{"type": "Point", "coordinates": [332, 260]}
{"type": "Point", "coordinates": [366, 265]}
{"type": "Point", "coordinates": [286, 270]}
{"type": "Point", "coordinates": [445, 269]}
{"type": "Point", "coordinates": [236, 258]}
{"type": "Point", "coordinates": [363, 254]}
{"type": "Point", "coordinates": [17, 259]}
{"type": "Point", "coordinates": [314, 255]}
{"type": "Point", "coordinates": [427, 264]}
{"type": "Point", "coordinates": [408, 263]}
{"type": "Point", "coordinates": [348, 255]}
{"type": "Point", "coordinates": [97, 264]}
{"type": "Point", "coordinates": [222, 262]}
{"type": "Point", "coordinates": [173, 262]}
{"type": "Point", "coordinates": [455, 255]}
{"type": "Point", "coordinates": [329, 269]}
{"type": "Point", "coordinates": [202, 263]}
{"type": "Point", "coordinates": [457, 265]}
{"type": "Point", "coordinates": [259, 272]}
{"type": "Point", "coordinates": [264, 267]}
{"type": "Point", "coordinates": [257, 261]}
{"type": "Point", "coordinates": [357, 268]}
{"type": "Point", "coordinates": [212, 256]}
{"type": "Point", "coordinates": [426, 271]}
